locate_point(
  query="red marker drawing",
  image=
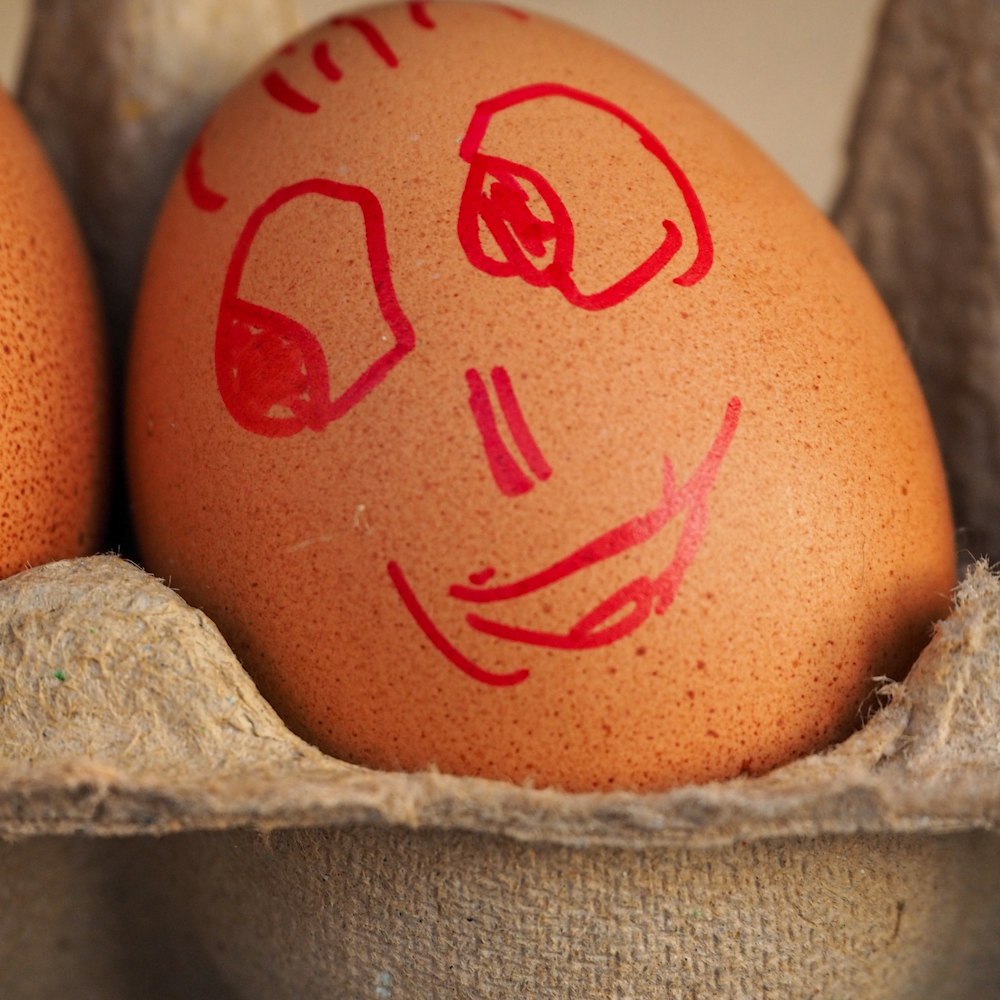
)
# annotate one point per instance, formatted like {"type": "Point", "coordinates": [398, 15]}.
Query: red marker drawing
{"type": "Point", "coordinates": [617, 615]}
{"type": "Point", "coordinates": [482, 576]}
{"type": "Point", "coordinates": [324, 63]}
{"type": "Point", "coordinates": [418, 12]}
{"type": "Point", "coordinates": [514, 12]}
{"type": "Point", "coordinates": [203, 197]}
{"type": "Point", "coordinates": [279, 89]}
{"type": "Point", "coordinates": [542, 249]}
{"type": "Point", "coordinates": [271, 370]}
{"type": "Point", "coordinates": [508, 475]}
{"type": "Point", "coordinates": [284, 93]}
{"type": "Point", "coordinates": [371, 35]}
{"type": "Point", "coordinates": [433, 633]}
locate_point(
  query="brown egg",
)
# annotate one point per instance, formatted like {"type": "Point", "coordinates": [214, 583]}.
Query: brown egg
{"type": "Point", "coordinates": [53, 382]}
{"type": "Point", "coordinates": [513, 415]}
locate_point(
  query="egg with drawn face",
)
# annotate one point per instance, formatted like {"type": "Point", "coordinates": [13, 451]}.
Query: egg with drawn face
{"type": "Point", "coordinates": [512, 415]}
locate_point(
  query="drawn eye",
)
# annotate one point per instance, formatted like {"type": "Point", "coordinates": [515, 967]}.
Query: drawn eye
{"type": "Point", "coordinates": [555, 171]}
{"type": "Point", "coordinates": [307, 310]}
{"type": "Point", "coordinates": [521, 226]}
{"type": "Point", "coordinates": [272, 372]}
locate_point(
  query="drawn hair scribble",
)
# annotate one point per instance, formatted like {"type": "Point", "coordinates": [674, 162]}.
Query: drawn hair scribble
{"type": "Point", "coordinates": [282, 92]}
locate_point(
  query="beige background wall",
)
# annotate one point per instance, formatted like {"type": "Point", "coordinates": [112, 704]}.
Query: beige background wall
{"type": "Point", "coordinates": [786, 71]}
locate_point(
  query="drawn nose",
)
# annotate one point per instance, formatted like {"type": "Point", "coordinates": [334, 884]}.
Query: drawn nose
{"type": "Point", "coordinates": [512, 478]}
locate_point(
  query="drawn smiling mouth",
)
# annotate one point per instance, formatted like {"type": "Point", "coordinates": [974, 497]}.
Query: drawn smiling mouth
{"type": "Point", "coordinates": [619, 614]}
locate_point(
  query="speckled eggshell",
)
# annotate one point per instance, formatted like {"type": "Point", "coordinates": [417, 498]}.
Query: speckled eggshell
{"type": "Point", "coordinates": [54, 430]}
{"type": "Point", "coordinates": [513, 415]}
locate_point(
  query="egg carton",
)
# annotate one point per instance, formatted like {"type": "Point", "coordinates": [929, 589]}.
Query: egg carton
{"type": "Point", "coordinates": [163, 835]}
{"type": "Point", "coordinates": [147, 786]}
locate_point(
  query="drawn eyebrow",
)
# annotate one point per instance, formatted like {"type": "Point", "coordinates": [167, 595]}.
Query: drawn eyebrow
{"type": "Point", "coordinates": [288, 96]}
{"type": "Point", "coordinates": [278, 87]}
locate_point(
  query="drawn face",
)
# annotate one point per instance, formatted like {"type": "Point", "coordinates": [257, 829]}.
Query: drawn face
{"type": "Point", "coordinates": [274, 374]}
{"type": "Point", "coordinates": [492, 396]}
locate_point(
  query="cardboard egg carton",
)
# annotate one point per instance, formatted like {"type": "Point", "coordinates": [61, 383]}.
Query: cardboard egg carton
{"type": "Point", "coordinates": [164, 836]}
{"type": "Point", "coordinates": [167, 833]}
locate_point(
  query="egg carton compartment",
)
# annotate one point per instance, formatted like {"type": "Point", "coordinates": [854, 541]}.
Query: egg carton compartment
{"type": "Point", "coordinates": [870, 870]}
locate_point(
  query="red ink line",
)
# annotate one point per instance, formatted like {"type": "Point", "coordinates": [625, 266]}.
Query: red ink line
{"type": "Point", "coordinates": [515, 229]}
{"type": "Point", "coordinates": [585, 634]}
{"type": "Point", "coordinates": [633, 281]}
{"type": "Point", "coordinates": [371, 35]}
{"type": "Point", "coordinates": [437, 639]}
{"type": "Point", "coordinates": [418, 11]}
{"type": "Point", "coordinates": [644, 595]}
{"type": "Point", "coordinates": [627, 535]}
{"type": "Point", "coordinates": [519, 429]}
{"type": "Point", "coordinates": [284, 93]}
{"type": "Point", "coordinates": [702, 263]}
{"type": "Point", "coordinates": [603, 624]}
{"type": "Point", "coordinates": [265, 359]}
{"type": "Point", "coordinates": [612, 543]}
{"type": "Point", "coordinates": [509, 211]}
{"type": "Point", "coordinates": [483, 576]}
{"type": "Point", "coordinates": [500, 205]}
{"type": "Point", "coordinates": [204, 197]}
{"type": "Point", "coordinates": [321, 59]}
{"type": "Point", "coordinates": [507, 474]}
{"type": "Point", "coordinates": [519, 15]}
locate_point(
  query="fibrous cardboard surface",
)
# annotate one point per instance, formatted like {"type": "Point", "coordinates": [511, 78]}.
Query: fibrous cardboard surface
{"type": "Point", "coordinates": [124, 711]}
{"type": "Point", "coordinates": [921, 208]}
{"type": "Point", "coordinates": [872, 869]}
